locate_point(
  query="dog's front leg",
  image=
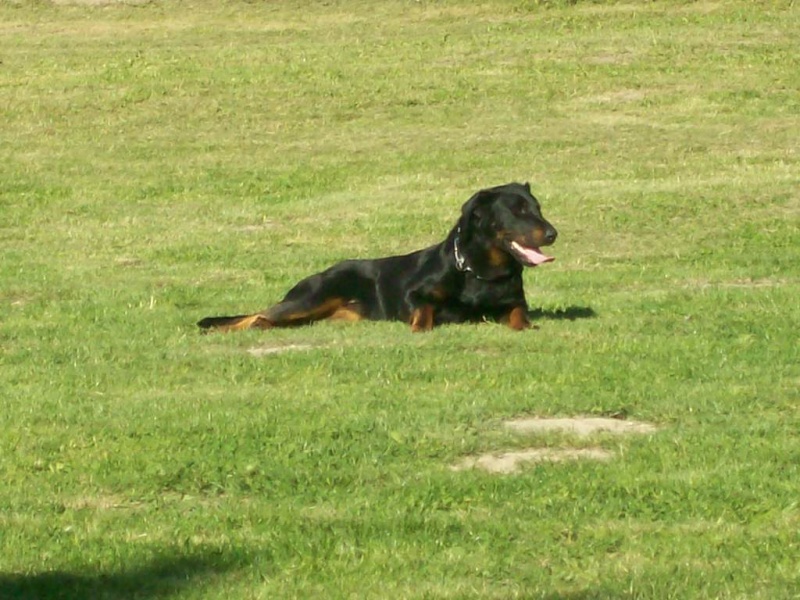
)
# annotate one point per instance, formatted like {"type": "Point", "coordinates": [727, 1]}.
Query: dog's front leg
{"type": "Point", "coordinates": [422, 318]}
{"type": "Point", "coordinates": [421, 309]}
{"type": "Point", "coordinates": [517, 319]}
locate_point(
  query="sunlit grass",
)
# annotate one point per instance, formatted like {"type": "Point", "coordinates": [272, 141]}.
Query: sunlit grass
{"type": "Point", "coordinates": [162, 162]}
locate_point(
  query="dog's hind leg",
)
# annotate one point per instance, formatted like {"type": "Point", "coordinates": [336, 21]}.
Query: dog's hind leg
{"type": "Point", "coordinates": [337, 294]}
{"type": "Point", "coordinates": [291, 313]}
{"type": "Point", "coordinates": [327, 295]}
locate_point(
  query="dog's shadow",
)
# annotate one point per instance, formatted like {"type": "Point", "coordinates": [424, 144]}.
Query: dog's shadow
{"type": "Point", "coordinates": [568, 313]}
{"type": "Point", "coordinates": [162, 577]}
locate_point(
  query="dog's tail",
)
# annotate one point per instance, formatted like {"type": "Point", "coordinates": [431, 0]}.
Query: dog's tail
{"type": "Point", "coordinates": [237, 323]}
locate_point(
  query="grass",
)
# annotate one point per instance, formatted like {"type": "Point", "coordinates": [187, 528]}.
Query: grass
{"type": "Point", "coordinates": [161, 162]}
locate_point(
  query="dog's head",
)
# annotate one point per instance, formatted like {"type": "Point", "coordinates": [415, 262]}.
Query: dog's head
{"type": "Point", "coordinates": [507, 222]}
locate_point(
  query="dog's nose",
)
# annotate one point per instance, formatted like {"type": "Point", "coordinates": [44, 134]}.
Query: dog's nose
{"type": "Point", "coordinates": [550, 235]}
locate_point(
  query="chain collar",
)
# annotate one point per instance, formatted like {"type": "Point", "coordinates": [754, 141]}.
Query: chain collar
{"type": "Point", "coordinates": [461, 260]}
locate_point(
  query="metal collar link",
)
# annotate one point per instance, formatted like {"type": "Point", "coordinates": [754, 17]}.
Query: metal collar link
{"type": "Point", "coordinates": [461, 260]}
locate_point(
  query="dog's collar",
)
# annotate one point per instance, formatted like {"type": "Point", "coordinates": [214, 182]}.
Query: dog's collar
{"type": "Point", "coordinates": [461, 260]}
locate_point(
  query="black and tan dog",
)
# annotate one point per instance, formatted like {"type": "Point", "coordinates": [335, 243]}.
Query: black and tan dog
{"type": "Point", "coordinates": [474, 274]}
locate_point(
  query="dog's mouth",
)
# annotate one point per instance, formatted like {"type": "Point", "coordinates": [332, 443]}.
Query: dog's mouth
{"type": "Point", "coordinates": [529, 255]}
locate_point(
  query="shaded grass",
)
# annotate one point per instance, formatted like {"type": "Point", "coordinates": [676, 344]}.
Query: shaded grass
{"type": "Point", "coordinates": [167, 161]}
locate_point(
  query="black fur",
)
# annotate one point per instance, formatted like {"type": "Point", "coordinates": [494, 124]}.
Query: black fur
{"type": "Point", "coordinates": [474, 274]}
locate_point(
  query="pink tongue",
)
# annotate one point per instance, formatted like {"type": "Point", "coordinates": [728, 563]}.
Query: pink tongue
{"type": "Point", "coordinates": [530, 254]}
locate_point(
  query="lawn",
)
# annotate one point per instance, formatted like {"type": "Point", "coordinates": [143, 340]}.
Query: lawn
{"type": "Point", "coordinates": [165, 161]}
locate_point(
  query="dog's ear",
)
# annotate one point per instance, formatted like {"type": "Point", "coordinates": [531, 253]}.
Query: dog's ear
{"type": "Point", "coordinates": [473, 211]}
{"type": "Point", "coordinates": [528, 187]}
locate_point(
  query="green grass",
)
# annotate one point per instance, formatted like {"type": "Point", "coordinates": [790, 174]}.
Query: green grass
{"type": "Point", "coordinates": [165, 161]}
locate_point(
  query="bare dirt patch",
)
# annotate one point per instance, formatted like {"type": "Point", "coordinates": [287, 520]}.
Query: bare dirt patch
{"type": "Point", "coordinates": [513, 460]}
{"type": "Point", "coordinates": [617, 97]}
{"type": "Point", "coordinates": [265, 225]}
{"type": "Point", "coordinates": [736, 283]}
{"type": "Point", "coordinates": [101, 502]}
{"type": "Point", "coordinates": [582, 426]}
{"type": "Point", "coordinates": [19, 302]}
{"type": "Point", "coordinates": [510, 462]}
{"type": "Point", "coordinates": [267, 350]}
{"type": "Point", "coordinates": [128, 261]}
{"type": "Point", "coordinates": [100, 2]}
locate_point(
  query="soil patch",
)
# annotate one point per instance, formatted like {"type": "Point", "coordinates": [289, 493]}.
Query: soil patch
{"type": "Point", "coordinates": [267, 350]}
{"type": "Point", "coordinates": [100, 2]}
{"type": "Point", "coordinates": [582, 426]}
{"type": "Point", "coordinates": [101, 502]}
{"type": "Point", "coordinates": [257, 228]}
{"type": "Point", "coordinates": [510, 462]}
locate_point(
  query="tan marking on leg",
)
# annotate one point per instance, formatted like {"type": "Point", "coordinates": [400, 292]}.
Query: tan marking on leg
{"type": "Point", "coordinates": [257, 321]}
{"type": "Point", "coordinates": [346, 314]}
{"type": "Point", "coordinates": [517, 319]}
{"type": "Point", "coordinates": [323, 311]}
{"type": "Point", "coordinates": [422, 318]}
{"type": "Point", "coordinates": [249, 322]}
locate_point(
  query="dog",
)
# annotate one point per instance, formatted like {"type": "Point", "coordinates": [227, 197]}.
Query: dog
{"type": "Point", "coordinates": [474, 275]}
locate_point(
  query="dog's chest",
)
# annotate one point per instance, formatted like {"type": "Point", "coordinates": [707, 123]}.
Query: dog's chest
{"type": "Point", "coordinates": [484, 293]}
